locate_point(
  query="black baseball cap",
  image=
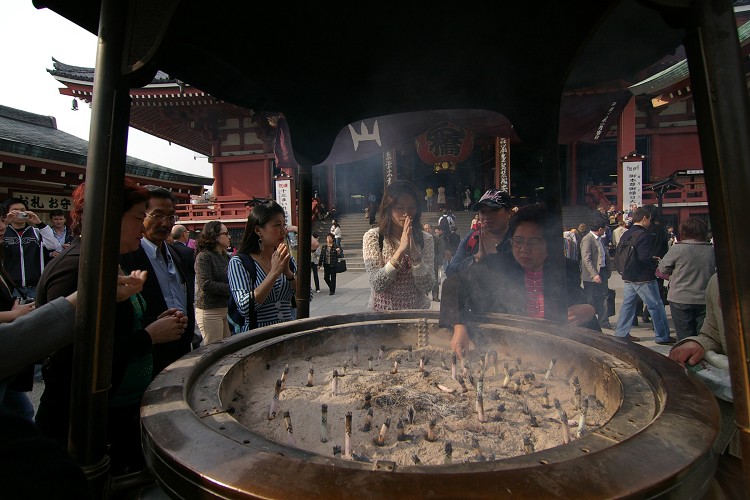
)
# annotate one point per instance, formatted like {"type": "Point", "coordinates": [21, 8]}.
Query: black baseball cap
{"type": "Point", "coordinates": [494, 198]}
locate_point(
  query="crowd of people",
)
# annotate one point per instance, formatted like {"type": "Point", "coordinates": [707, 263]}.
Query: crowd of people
{"type": "Point", "coordinates": [174, 293]}
{"type": "Point", "coordinates": [169, 283]}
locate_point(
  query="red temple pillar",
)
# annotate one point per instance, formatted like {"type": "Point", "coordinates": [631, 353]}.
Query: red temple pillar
{"type": "Point", "coordinates": [216, 166]}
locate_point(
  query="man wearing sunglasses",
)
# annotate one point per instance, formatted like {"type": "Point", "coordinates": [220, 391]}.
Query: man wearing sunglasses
{"type": "Point", "coordinates": [167, 286]}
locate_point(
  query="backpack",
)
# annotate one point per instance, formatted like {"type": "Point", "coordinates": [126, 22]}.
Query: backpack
{"type": "Point", "coordinates": [471, 243]}
{"type": "Point", "coordinates": [625, 255]}
{"type": "Point", "coordinates": [234, 317]}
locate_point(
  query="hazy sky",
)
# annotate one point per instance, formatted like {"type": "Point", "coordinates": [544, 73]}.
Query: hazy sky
{"type": "Point", "coordinates": [30, 38]}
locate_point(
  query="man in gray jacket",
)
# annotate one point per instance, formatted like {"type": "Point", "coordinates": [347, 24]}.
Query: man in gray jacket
{"type": "Point", "coordinates": [595, 271]}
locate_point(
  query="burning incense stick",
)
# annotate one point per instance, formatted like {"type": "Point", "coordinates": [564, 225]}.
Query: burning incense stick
{"type": "Point", "coordinates": [381, 352]}
{"type": "Point", "coordinates": [274, 401]}
{"type": "Point", "coordinates": [380, 439]}
{"type": "Point", "coordinates": [368, 421]}
{"type": "Point", "coordinates": [310, 377]}
{"type": "Point", "coordinates": [448, 449]}
{"type": "Point", "coordinates": [582, 421]}
{"type": "Point", "coordinates": [355, 362]}
{"type": "Point", "coordinates": [284, 373]}
{"type": "Point", "coordinates": [324, 423]}
{"type": "Point", "coordinates": [395, 367]}
{"type": "Point", "coordinates": [400, 435]}
{"type": "Point", "coordinates": [528, 445]}
{"type": "Point", "coordinates": [431, 432]}
{"type": "Point", "coordinates": [549, 370]}
{"type": "Point", "coordinates": [480, 407]}
{"type": "Point", "coordinates": [348, 434]}
{"type": "Point", "coordinates": [369, 363]}
{"type": "Point", "coordinates": [289, 434]}
{"type": "Point", "coordinates": [368, 400]}
{"type": "Point", "coordinates": [335, 383]}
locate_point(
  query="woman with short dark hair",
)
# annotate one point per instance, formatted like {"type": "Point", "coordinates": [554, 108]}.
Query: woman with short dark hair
{"type": "Point", "coordinates": [690, 264]}
{"type": "Point", "coordinates": [512, 283]}
{"type": "Point", "coordinates": [212, 282]}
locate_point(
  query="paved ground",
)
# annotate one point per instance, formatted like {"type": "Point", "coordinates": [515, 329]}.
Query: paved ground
{"type": "Point", "coordinates": [353, 292]}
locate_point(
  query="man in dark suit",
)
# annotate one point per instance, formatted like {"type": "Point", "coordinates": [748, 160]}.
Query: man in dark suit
{"type": "Point", "coordinates": [167, 285]}
{"type": "Point", "coordinates": [180, 239]}
{"type": "Point", "coordinates": [181, 236]}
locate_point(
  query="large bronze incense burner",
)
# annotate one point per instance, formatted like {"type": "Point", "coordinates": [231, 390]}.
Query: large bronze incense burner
{"type": "Point", "coordinates": [656, 438]}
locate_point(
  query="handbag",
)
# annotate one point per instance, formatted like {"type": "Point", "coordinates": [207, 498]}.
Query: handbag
{"type": "Point", "coordinates": [341, 266]}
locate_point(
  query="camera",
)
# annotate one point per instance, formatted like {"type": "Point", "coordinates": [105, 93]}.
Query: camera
{"type": "Point", "coordinates": [22, 215]}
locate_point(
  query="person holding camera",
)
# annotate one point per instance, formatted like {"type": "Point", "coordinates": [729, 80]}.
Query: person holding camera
{"type": "Point", "coordinates": [26, 241]}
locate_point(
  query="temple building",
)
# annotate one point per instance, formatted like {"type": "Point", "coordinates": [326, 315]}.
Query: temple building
{"type": "Point", "coordinates": [618, 143]}
{"type": "Point", "coordinates": [43, 165]}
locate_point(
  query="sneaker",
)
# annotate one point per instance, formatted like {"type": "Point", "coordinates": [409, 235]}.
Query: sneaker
{"type": "Point", "coordinates": [317, 291]}
{"type": "Point", "coordinates": [669, 341]}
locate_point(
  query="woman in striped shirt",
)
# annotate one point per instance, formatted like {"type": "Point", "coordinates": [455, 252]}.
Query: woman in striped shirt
{"type": "Point", "coordinates": [273, 287]}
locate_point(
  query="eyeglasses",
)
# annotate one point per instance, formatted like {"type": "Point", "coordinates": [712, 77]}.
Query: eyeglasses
{"type": "Point", "coordinates": [161, 217]}
{"type": "Point", "coordinates": [531, 243]}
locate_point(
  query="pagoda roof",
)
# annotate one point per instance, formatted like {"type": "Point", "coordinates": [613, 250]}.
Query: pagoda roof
{"type": "Point", "coordinates": [678, 73]}
{"type": "Point", "coordinates": [29, 134]}
{"type": "Point", "coordinates": [83, 74]}
{"type": "Point", "coordinates": [166, 108]}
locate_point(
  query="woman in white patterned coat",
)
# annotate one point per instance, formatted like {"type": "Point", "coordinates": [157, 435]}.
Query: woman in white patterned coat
{"type": "Point", "coordinates": [398, 255]}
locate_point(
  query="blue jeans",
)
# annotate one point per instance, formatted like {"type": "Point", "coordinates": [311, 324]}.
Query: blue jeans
{"type": "Point", "coordinates": [15, 402]}
{"type": "Point", "coordinates": [649, 293]}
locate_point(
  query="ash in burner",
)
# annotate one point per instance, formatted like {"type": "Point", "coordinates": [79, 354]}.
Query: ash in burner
{"type": "Point", "coordinates": [411, 410]}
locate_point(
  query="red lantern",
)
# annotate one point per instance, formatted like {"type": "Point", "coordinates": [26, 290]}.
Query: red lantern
{"type": "Point", "coordinates": [445, 143]}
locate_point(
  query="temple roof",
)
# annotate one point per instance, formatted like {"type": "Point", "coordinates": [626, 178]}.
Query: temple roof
{"type": "Point", "coordinates": [79, 73]}
{"type": "Point", "coordinates": [29, 134]}
{"type": "Point", "coordinates": [679, 71]}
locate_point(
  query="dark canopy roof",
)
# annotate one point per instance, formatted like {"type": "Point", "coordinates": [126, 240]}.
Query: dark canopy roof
{"type": "Point", "coordinates": [327, 66]}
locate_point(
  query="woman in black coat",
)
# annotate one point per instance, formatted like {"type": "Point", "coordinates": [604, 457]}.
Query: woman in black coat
{"type": "Point", "coordinates": [512, 284]}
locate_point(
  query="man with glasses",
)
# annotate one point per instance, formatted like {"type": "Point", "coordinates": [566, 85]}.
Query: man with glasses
{"type": "Point", "coordinates": [167, 285]}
